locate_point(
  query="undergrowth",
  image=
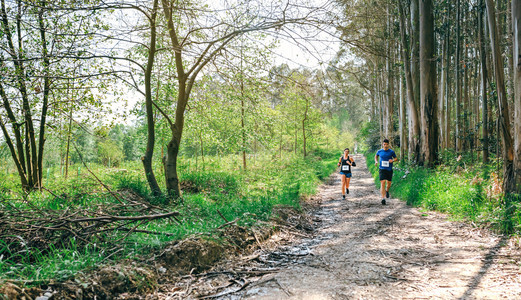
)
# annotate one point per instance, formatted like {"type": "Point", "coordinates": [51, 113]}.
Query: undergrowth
{"type": "Point", "coordinates": [213, 193]}
{"type": "Point", "coordinates": [466, 190]}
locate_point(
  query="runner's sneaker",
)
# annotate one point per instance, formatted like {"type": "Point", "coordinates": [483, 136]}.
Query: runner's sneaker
{"type": "Point", "coordinates": [387, 194]}
{"type": "Point", "coordinates": [344, 197]}
{"type": "Point", "coordinates": [383, 201]}
{"type": "Point", "coordinates": [347, 191]}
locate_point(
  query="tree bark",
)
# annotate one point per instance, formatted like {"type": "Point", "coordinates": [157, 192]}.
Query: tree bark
{"type": "Point", "coordinates": [446, 87]}
{"type": "Point", "coordinates": [504, 117]}
{"type": "Point", "coordinates": [414, 128]}
{"type": "Point", "coordinates": [45, 102]}
{"type": "Point", "coordinates": [149, 152]}
{"type": "Point", "coordinates": [458, 132]}
{"type": "Point", "coordinates": [429, 120]}
{"type": "Point", "coordinates": [415, 49]}
{"type": "Point", "coordinates": [516, 41]}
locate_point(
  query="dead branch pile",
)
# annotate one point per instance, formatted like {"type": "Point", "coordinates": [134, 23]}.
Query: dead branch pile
{"type": "Point", "coordinates": [36, 228]}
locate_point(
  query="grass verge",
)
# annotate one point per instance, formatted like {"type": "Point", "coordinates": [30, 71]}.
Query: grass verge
{"type": "Point", "coordinates": [470, 192]}
{"type": "Point", "coordinates": [217, 192]}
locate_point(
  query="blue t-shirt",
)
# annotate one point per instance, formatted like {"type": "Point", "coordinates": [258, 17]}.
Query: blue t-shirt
{"type": "Point", "coordinates": [385, 156]}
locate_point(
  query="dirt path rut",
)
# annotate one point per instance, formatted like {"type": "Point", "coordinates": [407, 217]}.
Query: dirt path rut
{"type": "Point", "coordinates": [363, 250]}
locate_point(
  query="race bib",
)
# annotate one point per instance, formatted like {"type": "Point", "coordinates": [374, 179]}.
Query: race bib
{"type": "Point", "coordinates": [385, 163]}
{"type": "Point", "coordinates": [345, 168]}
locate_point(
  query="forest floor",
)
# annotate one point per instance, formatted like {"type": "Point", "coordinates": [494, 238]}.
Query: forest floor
{"type": "Point", "coordinates": [360, 249]}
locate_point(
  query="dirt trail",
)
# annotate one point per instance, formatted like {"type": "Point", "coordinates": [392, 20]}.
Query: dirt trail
{"type": "Point", "coordinates": [363, 250]}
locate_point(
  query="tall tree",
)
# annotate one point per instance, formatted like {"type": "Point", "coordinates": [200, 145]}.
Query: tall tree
{"type": "Point", "coordinates": [195, 45]}
{"type": "Point", "coordinates": [458, 132]}
{"type": "Point", "coordinates": [504, 116]}
{"type": "Point", "coordinates": [149, 104]}
{"type": "Point", "coordinates": [428, 106]}
{"type": "Point", "coordinates": [484, 75]}
{"type": "Point", "coordinates": [39, 46]}
{"type": "Point", "coordinates": [516, 30]}
{"type": "Point", "coordinates": [414, 127]}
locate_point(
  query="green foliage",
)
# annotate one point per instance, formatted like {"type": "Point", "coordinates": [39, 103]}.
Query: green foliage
{"type": "Point", "coordinates": [369, 136]}
{"type": "Point", "coordinates": [216, 188]}
{"type": "Point", "coordinates": [109, 153]}
{"type": "Point", "coordinates": [57, 264]}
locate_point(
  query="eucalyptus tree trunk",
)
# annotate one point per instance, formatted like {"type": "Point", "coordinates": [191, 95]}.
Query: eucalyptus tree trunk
{"type": "Point", "coordinates": [516, 41]}
{"type": "Point", "coordinates": [149, 152]}
{"type": "Point", "coordinates": [414, 127]}
{"type": "Point", "coordinates": [458, 133]}
{"type": "Point", "coordinates": [466, 100]}
{"type": "Point", "coordinates": [443, 79]}
{"type": "Point", "coordinates": [390, 79]}
{"type": "Point", "coordinates": [447, 120]}
{"type": "Point", "coordinates": [415, 49]}
{"type": "Point", "coordinates": [403, 133]}
{"type": "Point", "coordinates": [504, 117]}
{"type": "Point", "coordinates": [429, 118]}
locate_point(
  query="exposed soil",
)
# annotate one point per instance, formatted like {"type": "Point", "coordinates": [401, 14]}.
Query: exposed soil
{"type": "Point", "coordinates": [363, 250]}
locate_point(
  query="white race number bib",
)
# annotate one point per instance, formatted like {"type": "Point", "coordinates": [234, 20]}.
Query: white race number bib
{"type": "Point", "coordinates": [345, 168]}
{"type": "Point", "coordinates": [385, 163]}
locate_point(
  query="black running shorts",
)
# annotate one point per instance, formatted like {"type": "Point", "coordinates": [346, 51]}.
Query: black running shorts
{"type": "Point", "coordinates": [386, 175]}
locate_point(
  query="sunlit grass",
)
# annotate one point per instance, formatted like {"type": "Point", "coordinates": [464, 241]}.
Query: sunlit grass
{"type": "Point", "coordinates": [219, 189]}
{"type": "Point", "coordinates": [464, 191]}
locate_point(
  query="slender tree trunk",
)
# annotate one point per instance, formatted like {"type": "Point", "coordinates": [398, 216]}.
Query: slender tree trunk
{"type": "Point", "coordinates": [415, 50]}
{"type": "Point", "coordinates": [458, 132]}
{"type": "Point", "coordinates": [201, 143]}
{"type": "Point", "coordinates": [243, 116]}
{"type": "Point", "coordinates": [516, 43]}
{"type": "Point", "coordinates": [441, 100]}
{"type": "Point", "coordinates": [390, 79]}
{"type": "Point", "coordinates": [149, 152]}
{"type": "Point", "coordinates": [429, 132]}
{"type": "Point", "coordinates": [69, 133]}
{"type": "Point", "coordinates": [304, 128]}
{"type": "Point", "coordinates": [504, 117]}
{"type": "Point", "coordinates": [46, 90]}
{"type": "Point", "coordinates": [466, 100]}
{"type": "Point", "coordinates": [26, 154]}
{"type": "Point", "coordinates": [403, 132]}
{"type": "Point", "coordinates": [414, 127]}
{"type": "Point", "coordinates": [446, 87]}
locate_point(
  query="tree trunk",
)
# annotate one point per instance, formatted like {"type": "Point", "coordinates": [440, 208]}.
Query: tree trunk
{"type": "Point", "coordinates": [466, 100]}
{"type": "Point", "coordinates": [441, 100]}
{"type": "Point", "coordinates": [25, 155]}
{"type": "Point", "coordinates": [243, 113]}
{"type": "Point", "coordinates": [414, 127]}
{"type": "Point", "coordinates": [516, 43]}
{"type": "Point", "coordinates": [429, 120]}
{"type": "Point", "coordinates": [390, 79]}
{"type": "Point", "coordinates": [403, 133]}
{"type": "Point", "coordinates": [46, 90]}
{"type": "Point", "coordinates": [504, 117]}
{"type": "Point", "coordinates": [69, 133]}
{"type": "Point", "coordinates": [446, 87]}
{"type": "Point", "coordinates": [415, 50]}
{"type": "Point", "coordinates": [458, 132]}
{"type": "Point", "coordinates": [149, 152]}
{"type": "Point", "coordinates": [304, 128]}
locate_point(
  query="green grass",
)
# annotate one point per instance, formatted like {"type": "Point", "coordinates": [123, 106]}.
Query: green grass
{"type": "Point", "coordinates": [462, 190]}
{"type": "Point", "coordinates": [220, 187]}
